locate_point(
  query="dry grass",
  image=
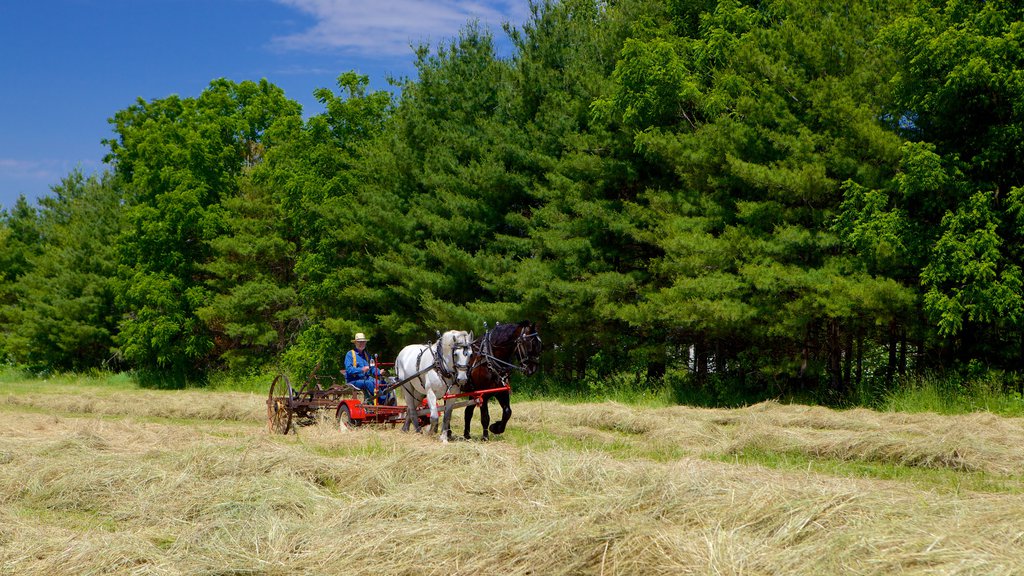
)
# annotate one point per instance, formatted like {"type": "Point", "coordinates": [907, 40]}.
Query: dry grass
{"type": "Point", "coordinates": [976, 442]}
{"type": "Point", "coordinates": [189, 483]}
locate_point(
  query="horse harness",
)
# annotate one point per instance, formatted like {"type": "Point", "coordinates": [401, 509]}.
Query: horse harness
{"type": "Point", "coordinates": [502, 369]}
{"type": "Point", "coordinates": [447, 376]}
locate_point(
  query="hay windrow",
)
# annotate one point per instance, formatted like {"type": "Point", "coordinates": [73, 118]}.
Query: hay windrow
{"type": "Point", "coordinates": [570, 489]}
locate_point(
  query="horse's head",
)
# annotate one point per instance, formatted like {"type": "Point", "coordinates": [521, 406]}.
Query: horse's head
{"type": "Point", "coordinates": [457, 347]}
{"type": "Point", "coordinates": [528, 347]}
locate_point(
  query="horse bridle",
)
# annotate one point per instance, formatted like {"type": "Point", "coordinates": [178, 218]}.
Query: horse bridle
{"type": "Point", "coordinates": [467, 349]}
{"type": "Point", "coordinates": [439, 363]}
{"type": "Point", "coordinates": [501, 368]}
{"type": "Point", "coordinates": [522, 352]}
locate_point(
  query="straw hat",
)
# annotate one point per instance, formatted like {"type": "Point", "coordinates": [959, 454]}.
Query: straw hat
{"type": "Point", "coordinates": [360, 337]}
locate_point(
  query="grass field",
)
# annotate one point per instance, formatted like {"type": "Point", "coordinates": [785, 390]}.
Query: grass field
{"type": "Point", "coordinates": [99, 477]}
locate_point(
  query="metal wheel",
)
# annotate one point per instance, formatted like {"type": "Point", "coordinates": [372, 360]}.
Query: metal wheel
{"type": "Point", "coordinates": [279, 417]}
{"type": "Point", "coordinates": [344, 418]}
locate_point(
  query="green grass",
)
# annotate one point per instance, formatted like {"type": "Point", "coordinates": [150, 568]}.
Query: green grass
{"type": "Point", "coordinates": [954, 395]}
{"type": "Point", "coordinates": [16, 381]}
{"type": "Point", "coordinates": [941, 479]}
{"type": "Point", "coordinates": [65, 518]}
{"type": "Point", "coordinates": [10, 373]}
{"type": "Point", "coordinates": [947, 395]}
{"type": "Point", "coordinates": [944, 480]}
{"type": "Point", "coordinates": [620, 446]}
{"type": "Point", "coordinates": [224, 425]}
{"type": "Point", "coordinates": [256, 382]}
{"type": "Point", "coordinates": [541, 389]}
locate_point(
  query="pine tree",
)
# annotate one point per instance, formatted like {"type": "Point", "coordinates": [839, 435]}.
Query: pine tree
{"type": "Point", "coordinates": [64, 317]}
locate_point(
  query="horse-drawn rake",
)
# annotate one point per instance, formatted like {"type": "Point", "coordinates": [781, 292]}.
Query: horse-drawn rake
{"type": "Point", "coordinates": [485, 370]}
{"type": "Point", "coordinates": [292, 406]}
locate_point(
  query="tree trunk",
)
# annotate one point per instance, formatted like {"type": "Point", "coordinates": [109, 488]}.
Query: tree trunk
{"type": "Point", "coordinates": [701, 362]}
{"type": "Point", "coordinates": [834, 352]}
{"type": "Point", "coordinates": [860, 358]}
{"type": "Point", "coordinates": [848, 360]}
{"type": "Point", "coordinates": [903, 352]}
{"type": "Point", "coordinates": [581, 365]}
{"type": "Point", "coordinates": [890, 369]}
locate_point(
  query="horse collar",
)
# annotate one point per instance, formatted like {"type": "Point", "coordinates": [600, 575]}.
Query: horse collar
{"type": "Point", "coordinates": [439, 362]}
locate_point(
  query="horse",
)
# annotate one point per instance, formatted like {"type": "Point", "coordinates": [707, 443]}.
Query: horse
{"type": "Point", "coordinates": [431, 372]}
{"type": "Point", "coordinates": [491, 366]}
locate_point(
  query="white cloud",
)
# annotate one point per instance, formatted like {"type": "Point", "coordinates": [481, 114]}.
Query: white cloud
{"type": "Point", "coordinates": [31, 178]}
{"type": "Point", "coordinates": [28, 169]}
{"type": "Point", "coordinates": [390, 27]}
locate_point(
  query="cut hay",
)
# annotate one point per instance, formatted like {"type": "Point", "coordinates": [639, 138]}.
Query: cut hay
{"type": "Point", "coordinates": [570, 489]}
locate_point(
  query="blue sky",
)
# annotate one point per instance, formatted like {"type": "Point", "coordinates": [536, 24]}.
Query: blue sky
{"type": "Point", "coordinates": [66, 66]}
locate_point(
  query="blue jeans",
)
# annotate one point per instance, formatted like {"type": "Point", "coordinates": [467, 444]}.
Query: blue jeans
{"type": "Point", "coordinates": [366, 385]}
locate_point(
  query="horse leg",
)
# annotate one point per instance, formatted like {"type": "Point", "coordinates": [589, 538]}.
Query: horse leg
{"type": "Point", "coordinates": [432, 402]}
{"type": "Point", "coordinates": [485, 417]}
{"type": "Point", "coordinates": [410, 411]}
{"type": "Point", "coordinates": [468, 418]}
{"type": "Point", "coordinates": [446, 427]}
{"type": "Point", "coordinates": [506, 412]}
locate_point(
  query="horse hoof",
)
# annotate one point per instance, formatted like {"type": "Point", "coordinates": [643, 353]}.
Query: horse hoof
{"type": "Point", "coordinates": [497, 428]}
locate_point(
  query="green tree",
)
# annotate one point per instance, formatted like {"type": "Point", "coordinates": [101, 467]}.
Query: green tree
{"type": "Point", "coordinates": [957, 94]}
{"type": "Point", "coordinates": [968, 277]}
{"type": "Point", "coordinates": [178, 159]}
{"type": "Point", "coordinates": [254, 308]}
{"type": "Point", "coordinates": [569, 253]}
{"type": "Point", "coordinates": [760, 113]}
{"type": "Point", "coordinates": [314, 176]}
{"type": "Point", "coordinates": [20, 240]}
{"type": "Point", "coordinates": [443, 181]}
{"type": "Point", "coordinates": [64, 315]}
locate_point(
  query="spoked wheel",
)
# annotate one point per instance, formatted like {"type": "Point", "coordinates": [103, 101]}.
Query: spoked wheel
{"type": "Point", "coordinates": [344, 417]}
{"type": "Point", "coordinates": [280, 420]}
{"type": "Point", "coordinates": [279, 417]}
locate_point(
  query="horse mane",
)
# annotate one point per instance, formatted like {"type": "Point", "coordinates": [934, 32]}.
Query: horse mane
{"type": "Point", "coordinates": [503, 332]}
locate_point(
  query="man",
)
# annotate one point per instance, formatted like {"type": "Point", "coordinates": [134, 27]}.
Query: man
{"type": "Point", "coordinates": [360, 369]}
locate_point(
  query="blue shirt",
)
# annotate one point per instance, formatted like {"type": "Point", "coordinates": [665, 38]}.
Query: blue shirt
{"type": "Point", "coordinates": [354, 363]}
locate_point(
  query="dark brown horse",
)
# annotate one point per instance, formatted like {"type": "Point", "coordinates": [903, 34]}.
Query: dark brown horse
{"type": "Point", "coordinates": [496, 354]}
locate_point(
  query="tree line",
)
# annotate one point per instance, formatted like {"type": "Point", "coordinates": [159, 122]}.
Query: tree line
{"type": "Point", "coordinates": [751, 198]}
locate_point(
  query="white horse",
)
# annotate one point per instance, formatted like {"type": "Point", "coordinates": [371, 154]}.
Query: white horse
{"type": "Point", "coordinates": [441, 368]}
